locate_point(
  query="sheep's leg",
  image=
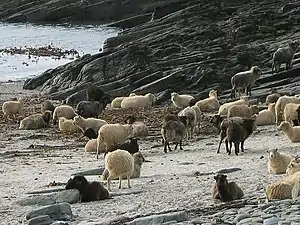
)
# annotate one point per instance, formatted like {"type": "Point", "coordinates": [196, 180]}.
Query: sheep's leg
{"type": "Point", "coordinates": [128, 181]}
{"type": "Point", "coordinates": [120, 182]}
{"type": "Point", "coordinates": [165, 146]}
{"type": "Point", "coordinates": [180, 145]}
{"type": "Point", "coordinates": [218, 151]}
{"type": "Point", "coordinates": [236, 148]}
{"type": "Point", "coordinates": [242, 145]}
{"type": "Point", "coordinates": [176, 146]}
{"type": "Point", "coordinates": [109, 182]}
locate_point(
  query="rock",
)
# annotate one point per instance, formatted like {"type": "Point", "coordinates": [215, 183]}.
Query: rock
{"type": "Point", "coordinates": [271, 221]}
{"type": "Point", "coordinates": [75, 98]}
{"type": "Point", "coordinates": [61, 211]}
{"type": "Point", "coordinates": [60, 223]}
{"type": "Point", "coordinates": [240, 217]}
{"type": "Point", "coordinates": [40, 220]}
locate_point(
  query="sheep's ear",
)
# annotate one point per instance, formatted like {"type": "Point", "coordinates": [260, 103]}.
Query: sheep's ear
{"type": "Point", "coordinates": [225, 176]}
{"type": "Point", "coordinates": [215, 177]}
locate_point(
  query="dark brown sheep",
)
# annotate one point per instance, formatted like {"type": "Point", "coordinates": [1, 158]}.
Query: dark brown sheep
{"type": "Point", "coordinates": [90, 133]}
{"type": "Point", "coordinates": [47, 105]}
{"type": "Point", "coordinates": [216, 120]}
{"type": "Point", "coordinates": [131, 146]}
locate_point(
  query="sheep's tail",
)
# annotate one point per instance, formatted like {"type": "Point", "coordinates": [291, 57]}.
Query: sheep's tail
{"type": "Point", "coordinates": [296, 188]}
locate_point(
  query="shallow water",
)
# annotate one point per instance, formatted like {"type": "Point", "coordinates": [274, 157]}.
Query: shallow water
{"type": "Point", "coordinates": [83, 38]}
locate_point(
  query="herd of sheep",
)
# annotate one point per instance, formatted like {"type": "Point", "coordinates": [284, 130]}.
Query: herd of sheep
{"type": "Point", "coordinates": [235, 120]}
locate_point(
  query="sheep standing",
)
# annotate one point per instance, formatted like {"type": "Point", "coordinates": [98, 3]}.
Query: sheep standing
{"type": "Point", "coordinates": [84, 124]}
{"type": "Point", "coordinates": [173, 131]}
{"type": "Point", "coordinates": [191, 116]}
{"type": "Point", "coordinates": [292, 133]}
{"type": "Point", "coordinates": [119, 163]}
{"type": "Point", "coordinates": [284, 55]}
{"type": "Point", "coordinates": [280, 105]}
{"type": "Point", "coordinates": [278, 161]}
{"type": "Point", "coordinates": [290, 113]}
{"type": "Point", "coordinates": [47, 105]}
{"type": "Point", "coordinates": [13, 108]}
{"type": "Point", "coordinates": [138, 101]}
{"type": "Point", "coordinates": [266, 116]}
{"type": "Point", "coordinates": [209, 104]}
{"type": "Point", "coordinates": [245, 80]}
{"type": "Point", "coordinates": [226, 191]}
{"type": "Point", "coordinates": [223, 110]}
{"type": "Point", "coordinates": [181, 101]}
{"type": "Point", "coordinates": [294, 166]}
{"type": "Point", "coordinates": [242, 111]}
{"type": "Point", "coordinates": [88, 109]}
{"type": "Point", "coordinates": [67, 126]}
{"type": "Point", "coordinates": [36, 121]}
{"type": "Point", "coordinates": [139, 128]}
{"type": "Point", "coordinates": [65, 111]}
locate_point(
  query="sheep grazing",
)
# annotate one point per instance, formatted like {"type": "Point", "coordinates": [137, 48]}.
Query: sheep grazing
{"type": "Point", "coordinates": [272, 98]}
{"type": "Point", "coordinates": [47, 105]}
{"type": "Point", "coordinates": [173, 131]}
{"type": "Point", "coordinates": [294, 166]}
{"type": "Point", "coordinates": [292, 133]}
{"type": "Point", "coordinates": [181, 101]}
{"type": "Point", "coordinates": [139, 128]}
{"type": "Point", "coordinates": [209, 104]}
{"type": "Point", "coordinates": [12, 108]}
{"type": "Point", "coordinates": [290, 113]}
{"type": "Point", "coordinates": [67, 126]}
{"type": "Point", "coordinates": [88, 109]}
{"type": "Point", "coordinates": [113, 134]}
{"type": "Point", "coordinates": [36, 121]}
{"type": "Point", "coordinates": [94, 93]}
{"type": "Point", "coordinates": [280, 105]}
{"type": "Point", "coordinates": [191, 117]}
{"type": "Point", "coordinates": [242, 111]}
{"type": "Point", "coordinates": [266, 116]}
{"type": "Point", "coordinates": [84, 124]}
{"type": "Point", "coordinates": [131, 146]}
{"type": "Point", "coordinates": [89, 191]}
{"type": "Point", "coordinates": [138, 101]}
{"type": "Point", "coordinates": [245, 80]}
{"type": "Point", "coordinates": [90, 133]}
{"type": "Point", "coordinates": [138, 161]}
{"type": "Point", "coordinates": [65, 111]}
{"type": "Point", "coordinates": [91, 146]}
{"type": "Point", "coordinates": [226, 191]}
{"type": "Point", "coordinates": [284, 55]}
{"type": "Point", "coordinates": [278, 161]}
{"type": "Point", "coordinates": [119, 163]}
{"type": "Point", "coordinates": [223, 110]}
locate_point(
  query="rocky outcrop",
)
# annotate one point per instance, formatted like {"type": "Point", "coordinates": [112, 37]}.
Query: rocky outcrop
{"type": "Point", "coordinates": [189, 46]}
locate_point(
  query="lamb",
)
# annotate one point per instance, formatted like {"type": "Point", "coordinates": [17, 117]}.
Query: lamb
{"type": "Point", "coordinates": [119, 163]}
{"type": "Point", "coordinates": [13, 107]}
{"type": "Point", "coordinates": [294, 166]}
{"type": "Point", "coordinates": [284, 55]}
{"type": "Point", "coordinates": [209, 104]}
{"type": "Point", "coordinates": [84, 124]}
{"type": "Point", "coordinates": [36, 121]}
{"type": "Point", "coordinates": [290, 113]}
{"type": "Point", "coordinates": [47, 105]}
{"type": "Point", "coordinates": [278, 162]}
{"type": "Point", "coordinates": [67, 126]}
{"type": "Point", "coordinates": [173, 131]}
{"type": "Point", "coordinates": [65, 111]}
{"type": "Point", "coordinates": [181, 101]}
{"type": "Point", "coordinates": [112, 134]}
{"type": "Point", "coordinates": [280, 105]}
{"type": "Point", "coordinates": [245, 80]}
{"type": "Point", "coordinates": [131, 146]}
{"type": "Point", "coordinates": [191, 116]}
{"type": "Point", "coordinates": [138, 101]}
{"type": "Point", "coordinates": [273, 97]}
{"type": "Point", "coordinates": [138, 161]}
{"type": "Point", "coordinates": [88, 109]}
{"type": "Point", "coordinates": [226, 191]}
{"type": "Point", "coordinates": [91, 146]}
{"type": "Point", "coordinates": [242, 111]}
{"type": "Point", "coordinates": [139, 128]}
{"type": "Point", "coordinates": [90, 133]}
{"type": "Point", "coordinates": [266, 116]}
{"type": "Point", "coordinates": [89, 191]}
{"type": "Point", "coordinates": [223, 110]}
{"type": "Point", "coordinates": [292, 133]}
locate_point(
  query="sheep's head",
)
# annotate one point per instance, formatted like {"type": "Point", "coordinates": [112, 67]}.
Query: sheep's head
{"type": "Point", "coordinates": [245, 98]}
{"type": "Point", "coordinates": [292, 168]}
{"type": "Point", "coordinates": [174, 95]}
{"type": "Point", "coordinates": [132, 94]}
{"type": "Point", "coordinates": [221, 180]}
{"type": "Point", "coordinates": [151, 98]}
{"type": "Point", "coordinates": [216, 120]}
{"type": "Point", "coordinates": [129, 129]}
{"type": "Point", "coordinates": [273, 154]}
{"type": "Point", "coordinates": [78, 182]}
{"type": "Point", "coordinates": [90, 133]}
{"type": "Point", "coordinates": [61, 119]}
{"type": "Point", "coordinates": [138, 158]}
{"type": "Point", "coordinates": [213, 93]}
{"type": "Point", "coordinates": [130, 119]}
{"type": "Point", "coordinates": [284, 125]}
{"type": "Point", "coordinates": [78, 120]}
{"type": "Point", "coordinates": [47, 116]}
{"type": "Point", "coordinates": [256, 70]}
{"type": "Point", "coordinates": [184, 120]}
{"type": "Point", "coordinates": [294, 46]}
{"type": "Point", "coordinates": [22, 100]}
{"type": "Point", "coordinates": [254, 109]}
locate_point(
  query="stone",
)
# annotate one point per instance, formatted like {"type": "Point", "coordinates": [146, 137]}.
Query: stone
{"type": "Point", "coordinates": [40, 220]}
{"type": "Point", "coordinates": [271, 221]}
{"type": "Point", "coordinates": [60, 223]}
{"type": "Point", "coordinates": [240, 217]}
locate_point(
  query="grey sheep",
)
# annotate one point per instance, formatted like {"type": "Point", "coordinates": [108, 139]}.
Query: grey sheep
{"type": "Point", "coordinates": [47, 105]}
{"type": "Point", "coordinates": [173, 131]}
{"type": "Point", "coordinates": [88, 109]}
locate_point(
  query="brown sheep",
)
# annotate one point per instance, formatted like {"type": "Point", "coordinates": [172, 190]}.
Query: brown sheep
{"type": "Point", "coordinates": [242, 111]}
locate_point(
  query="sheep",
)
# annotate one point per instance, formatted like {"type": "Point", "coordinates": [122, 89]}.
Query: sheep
{"type": "Point", "coordinates": [67, 126]}
{"type": "Point", "coordinates": [119, 163]}
{"type": "Point", "coordinates": [226, 191]}
{"type": "Point", "coordinates": [209, 104]}
{"type": "Point", "coordinates": [91, 146]}
{"type": "Point", "coordinates": [13, 107]}
{"type": "Point", "coordinates": [181, 101]}
{"type": "Point", "coordinates": [139, 128]}
{"type": "Point", "coordinates": [273, 97]}
{"type": "Point", "coordinates": [93, 123]}
{"type": "Point", "coordinates": [290, 113]}
{"type": "Point", "coordinates": [223, 110]}
{"type": "Point", "coordinates": [36, 121]}
{"type": "Point", "coordinates": [292, 133]}
{"type": "Point", "coordinates": [90, 133]}
{"type": "Point", "coordinates": [132, 94]}
{"type": "Point", "coordinates": [266, 116]}
{"type": "Point", "coordinates": [173, 131]}
{"type": "Point", "coordinates": [47, 105]}
{"type": "Point", "coordinates": [278, 162]}
{"type": "Point", "coordinates": [294, 166]}
{"type": "Point", "coordinates": [112, 134]}
{"type": "Point", "coordinates": [284, 55]}
{"type": "Point", "coordinates": [242, 111]}
{"type": "Point", "coordinates": [198, 116]}
{"type": "Point", "coordinates": [138, 161]}
{"type": "Point", "coordinates": [216, 121]}
{"type": "Point", "coordinates": [131, 146]}
{"type": "Point", "coordinates": [116, 102]}
{"type": "Point", "coordinates": [138, 101]}
{"type": "Point", "coordinates": [88, 109]}
{"type": "Point", "coordinates": [245, 80]}
{"type": "Point", "coordinates": [89, 191]}
{"type": "Point", "coordinates": [191, 116]}
{"type": "Point", "coordinates": [94, 93]}
{"type": "Point", "coordinates": [65, 111]}
{"type": "Point", "coordinates": [280, 105]}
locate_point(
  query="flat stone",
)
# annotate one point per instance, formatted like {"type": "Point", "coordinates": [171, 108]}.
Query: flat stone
{"type": "Point", "coordinates": [271, 221]}
{"type": "Point", "coordinates": [240, 217]}
{"type": "Point", "coordinates": [284, 223]}
{"type": "Point", "coordinates": [40, 220]}
{"type": "Point", "coordinates": [245, 221]}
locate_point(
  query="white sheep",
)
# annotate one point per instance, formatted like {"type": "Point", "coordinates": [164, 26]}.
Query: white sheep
{"type": "Point", "coordinates": [116, 102]}
{"type": "Point", "coordinates": [292, 133]}
{"type": "Point", "coordinates": [272, 98]}
{"type": "Point", "coordinates": [198, 116]}
{"type": "Point", "coordinates": [112, 134]}
{"type": "Point", "coordinates": [36, 121]}
{"type": "Point", "coordinates": [223, 110]}
{"type": "Point", "coordinates": [181, 101]}
{"type": "Point", "coordinates": [119, 163]}
{"type": "Point", "coordinates": [91, 146]}
{"type": "Point", "coordinates": [281, 103]}
{"type": "Point", "coordinates": [138, 101]}
{"type": "Point", "coordinates": [13, 108]}
{"type": "Point", "coordinates": [191, 119]}
{"type": "Point", "coordinates": [278, 161]}
{"type": "Point", "coordinates": [242, 111]}
{"type": "Point", "coordinates": [65, 111]}
{"type": "Point", "coordinates": [266, 116]}
{"type": "Point", "coordinates": [294, 166]}
{"type": "Point", "coordinates": [140, 129]}
{"type": "Point", "coordinates": [67, 126]}
{"type": "Point", "coordinates": [209, 104]}
{"type": "Point", "coordinates": [290, 112]}
{"type": "Point", "coordinates": [93, 123]}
